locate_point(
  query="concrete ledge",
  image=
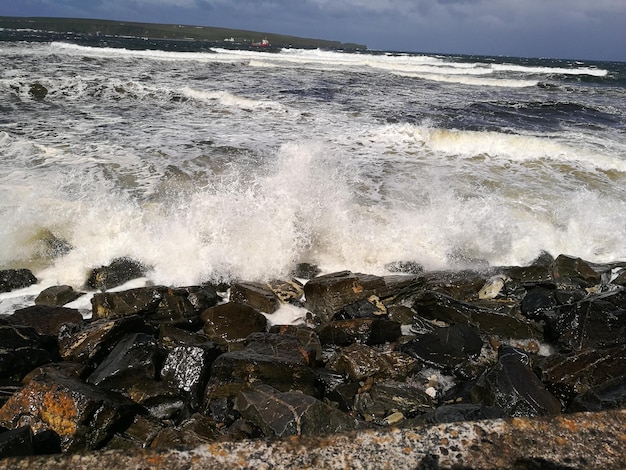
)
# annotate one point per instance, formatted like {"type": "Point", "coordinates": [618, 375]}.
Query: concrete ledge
{"type": "Point", "coordinates": [583, 440]}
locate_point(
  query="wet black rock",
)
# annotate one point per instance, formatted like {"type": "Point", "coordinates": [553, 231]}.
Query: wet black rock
{"type": "Point", "coordinates": [360, 330]}
{"type": "Point", "coordinates": [158, 304]}
{"type": "Point", "coordinates": [91, 343]}
{"type": "Point", "coordinates": [274, 359]}
{"type": "Point", "coordinates": [450, 413]}
{"type": "Point", "coordinates": [326, 295]}
{"type": "Point", "coordinates": [384, 399]}
{"type": "Point", "coordinates": [57, 296]}
{"type": "Point", "coordinates": [593, 322]}
{"type": "Point", "coordinates": [511, 385]}
{"type": "Point", "coordinates": [46, 320]}
{"type": "Point", "coordinates": [232, 322]}
{"type": "Point", "coordinates": [587, 373]}
{"type": "Point", "coordinates": [371, 307]}
{"type": "Point", "coordinates": [37, 91]}
{"type": "Point", "coordinates": [135, 359]}
{"type": "Point", "coordinates": [194, 431]}
{"type": "Point", "coordinates": [17, 442]}
{"type": "Point", "coordinates": [12, 279]}
{"type": "Point", "coordinates": [84, 416]}
{"type": "Point", "coordinates": [21, 350]}
{"type": "Point", "coordinates": [359, 361]}
{"type": "Point", "coordinates": [282, 414]}
{"type": "Point", "coordinates": [186, 369]}
{"type": "Point", "coordinates": [257, 295]}
{"type": "Point", "coordinates": [570, 272]}
{"type": "Point", "coordinates": [436, 306]}
{"type": "Point", "coordinates": [445, 347]}
{"type": "Point", "coordinates": [120, 271]}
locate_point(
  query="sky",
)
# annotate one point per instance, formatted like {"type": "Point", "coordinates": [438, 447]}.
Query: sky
{"type": "Point", "coordinates": [567, 29]}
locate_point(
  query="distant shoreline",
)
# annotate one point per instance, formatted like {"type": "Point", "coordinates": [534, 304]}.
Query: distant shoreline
{"type": "Point", "coordinates": [234, 38]}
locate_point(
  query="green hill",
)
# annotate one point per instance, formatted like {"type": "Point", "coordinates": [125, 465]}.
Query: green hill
{"type": "Point", "coordinates": [99, 28]}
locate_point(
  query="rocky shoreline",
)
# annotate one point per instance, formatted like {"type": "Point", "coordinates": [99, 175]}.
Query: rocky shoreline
{"type": "Point", "coordinates": [497, 361]}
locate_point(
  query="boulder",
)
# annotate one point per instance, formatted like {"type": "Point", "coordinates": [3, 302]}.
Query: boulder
{"type": "Point", "coordinates": [291, 292]}
{"type": "Point", "coordinates": [232, 322]}
{"type": "Point", "coordinates": [445, 347]}
{"type": "Point", "coordinates": [257, 295]}
{"type": "Point", "coordinates": [21, 350]}
{"type": "Point", "coordinates": [570, 272]}
{"type": "Point", "coordinates": [57, 296]}
{"type": "Point", "coordinates": [158, 304]}
{"type": "Point", "coordinates": [46, 320]}
{"type": "Point", "coordinates": [134, 359]}
{"type": "Point", "coordinates": [359, 361]}
{"type": "Point", "coordinates": [120, 271]}
{"type": "Point", "coordinates": [186, 369]}
{"type": "Point", "coordinates": [274, 359]}
{"type": "Point", "coordinates": [384, 399]}
{"type": "Point", "coordinates": [436, 306]}
{"type": "Point", "coordinates": [371, 307]}
{"type": "Point", "coordinates": [17, 442]}
{"type": "Point", "coordinates": [91, 343]}
{"type": "Point", "coordinates": [594, 322]}
{"type": "Point", "coordinates": [591, 371]}
{"type": "Point", "coordinates": [360, 330]}
{"type": "Point", "coordinates": [37, 91]}
{"type": "Point", "coordinates": [326, 295]}
{"type": "Point", "coordinates": [12, 279]}
{"type": "Point", "coordinates": [511, 385]}
{"type": "Point", "coordinates": [193, 432]}
{"type": "Point", "coordinates": [84, 416]}
{"type": "Point", "coordinates": [290, 413]}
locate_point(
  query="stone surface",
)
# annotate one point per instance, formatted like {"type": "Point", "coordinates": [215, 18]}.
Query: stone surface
{"type": "Point", "coordinates": [118, 272]}
{"type": "Point", "coordinates": [82, 415]}
{"type": "Point", "coordinates": [585, 440]}
{"type": "Point", "coordinates": [134, 360]}
{"type": "Point", "coordinates": [569, 271]}
{"type": "Point", "coordinates": [445, 347]}
{"type": "Point", "coordinates": [436, 306]}
{"type": "Point", "coordinates": [92, 343]}
{"type": "Point", "coordinates": [290, 413]}
{"type": "Point", "coordinates": [12, 279]}
{"type": "Point", "coordinates": [186, 369]}
{"type": "Point", "coordinates": [257, 295]}
{"type": "Point", "coordinates": [57, 296]}
{"type": "Point", "coordinates": [512, 386]}
{"type": "Point", "coordinates": [46, 320]}
{"type": "Point", "coordinates": [277, 360]}
{"type": "Point", "coordinates": [593, 322]}
{"type": "Point", "coordinates": [578, 373]}
{"type": "Point", "coordinates": [328, 294]}
{"type": "Point", "coordinates": [17, 442]}
{"type": "Point", "coordinates": [158, 304]}
{"type": "Point", "coordinates": [232, 322]}
{"type": "Point", "coordinates": [359, 330]}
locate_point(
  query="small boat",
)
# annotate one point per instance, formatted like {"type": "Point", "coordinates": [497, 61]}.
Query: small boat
{"type": "Point", "coordinates": [263, 43]}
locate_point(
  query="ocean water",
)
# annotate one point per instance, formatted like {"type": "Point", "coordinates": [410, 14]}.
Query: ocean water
{"type": "Point", "coordinates": [217, 165]}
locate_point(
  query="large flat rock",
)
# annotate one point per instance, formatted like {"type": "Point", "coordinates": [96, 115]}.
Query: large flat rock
{"type": "Point", "coordinates": [583, 440]}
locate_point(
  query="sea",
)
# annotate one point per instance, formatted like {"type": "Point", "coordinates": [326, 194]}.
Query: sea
{"type": "Point", "coordinates": [216, 164]}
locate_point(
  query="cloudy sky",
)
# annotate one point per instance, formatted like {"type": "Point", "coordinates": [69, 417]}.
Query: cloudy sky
{"type": "Point", "coordinates": [574, 29]}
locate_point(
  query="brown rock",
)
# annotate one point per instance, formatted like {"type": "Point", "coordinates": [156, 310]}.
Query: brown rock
{"type": "Point", "coordinates": [232, 322]}
{"type": "Point", "coordinates": [46, 320]}
{"type": "Point", "coordinates": [56, 296]}
{"type": "Point", "coordinates": [82, 415]}
{"type": "Point", "coordinates": [359, 330]}
{"type": "Point", "coordinates": [258, 296]}
{"type": "Point", "coordinates": [326, 295]}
